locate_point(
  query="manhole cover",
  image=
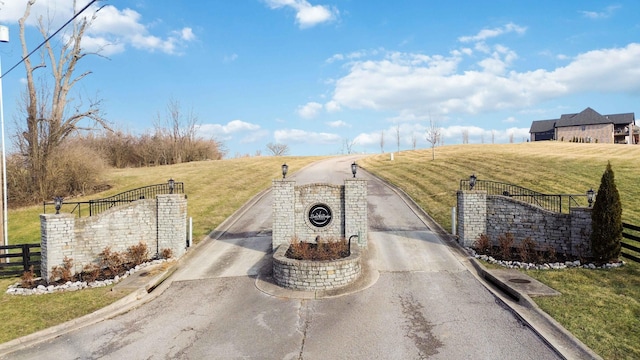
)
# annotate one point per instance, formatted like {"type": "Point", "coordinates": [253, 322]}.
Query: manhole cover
{"type": "Point", "coordinates": [520, 281]}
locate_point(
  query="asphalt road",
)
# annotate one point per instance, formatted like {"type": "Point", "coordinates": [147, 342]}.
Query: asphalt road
{"type": "Point", "coordinates": [424, 304]}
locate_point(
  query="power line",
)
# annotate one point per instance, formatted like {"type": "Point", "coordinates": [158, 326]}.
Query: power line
{"type": "Point", "coordinates": [49, 38]}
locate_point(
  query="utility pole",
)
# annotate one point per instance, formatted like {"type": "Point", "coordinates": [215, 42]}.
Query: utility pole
{"type": "Point", "coordinates": [4, 37]}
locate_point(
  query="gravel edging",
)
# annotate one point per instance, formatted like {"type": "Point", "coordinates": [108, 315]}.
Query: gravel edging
{"type": "Point", "coordinates": [16, 289]}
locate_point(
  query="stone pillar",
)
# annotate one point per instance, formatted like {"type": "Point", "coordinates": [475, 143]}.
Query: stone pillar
{"type": "Point", "coordinates": [283, 227]}
{"type": "Point", "coordinates": [57, 239]}
{"type": "Point", "coordinates": [172, 223]}
{"type": "Point", "coordinates": [472, 215]}
{"type": "Point", "coordinates": [355, 210]}
{"type": "Point", "coordinates": [580, 231]}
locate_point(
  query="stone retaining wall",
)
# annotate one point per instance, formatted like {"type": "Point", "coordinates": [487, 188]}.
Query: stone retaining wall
{"type": "Point", "coordinates": [160, 223]}
{"type": "Point", "coordinates": [494, 216]}
{"type": "Point", "coordinates": [315, 275]}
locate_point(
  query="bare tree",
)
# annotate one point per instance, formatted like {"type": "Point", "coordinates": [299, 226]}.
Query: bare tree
{"type": "Point", "coordinates": [482, 138]}
{"type": "Point", "coordinates": [180, 129]}
{"type": "Point", "coordinates": [278, 149]}
{"type": "Point", "coordinates": [382, 141]}
{"type": "Point", "coordinates": [414, 140]}
{"type": "Point", "coordinates": [398, 136]}
{"type": "Point", "coordinates": [348, 145]}
{"type": "Point", "coordinates": [49, 121]}
{"type": "Point", "coordinates": [465, 136]}
{"type": "Point", "coordinates": [493, 136]}
{"type": "Point", "coordinates": [433, 135]}
{"type": "Point", "coordinates": [510, 138]}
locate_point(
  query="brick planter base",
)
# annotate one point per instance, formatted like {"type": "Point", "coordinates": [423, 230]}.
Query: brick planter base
{"type": "Point", "coordinates": [315, 275]}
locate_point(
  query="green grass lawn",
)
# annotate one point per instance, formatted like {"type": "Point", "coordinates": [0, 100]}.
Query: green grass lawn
{"type": "Point", "coordinates": [602, 308]}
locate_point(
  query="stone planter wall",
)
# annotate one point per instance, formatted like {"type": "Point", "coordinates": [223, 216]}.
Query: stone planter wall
{"type": "Point", "coordinates": [315, 275]}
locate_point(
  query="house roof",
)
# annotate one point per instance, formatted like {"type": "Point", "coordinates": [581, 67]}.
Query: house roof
{"type": "Point", "coordinates": [539, 126]}
{"type": "Point", "coordinates": [589, 116]}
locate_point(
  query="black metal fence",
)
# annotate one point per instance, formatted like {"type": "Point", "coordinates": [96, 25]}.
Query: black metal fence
{"type": "Point", "coordinates": [631, 242]}
{"type": "Point", "coordinates": [95, 207]}
{"type": "Point", "coordinates": [552, 202]}
{"type": "Point", "coordinates": [16, 259]}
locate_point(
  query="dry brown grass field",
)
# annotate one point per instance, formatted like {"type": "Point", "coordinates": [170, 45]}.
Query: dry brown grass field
{"type": "Point", "coordinates": [546, 167]}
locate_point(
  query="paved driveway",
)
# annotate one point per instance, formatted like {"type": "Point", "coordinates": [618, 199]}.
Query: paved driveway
{"type": "Point", "coordinates": [424, 304]}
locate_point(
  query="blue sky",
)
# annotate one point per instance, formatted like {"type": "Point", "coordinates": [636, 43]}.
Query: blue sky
{"type": "Point", "coordinates": [315, 74]}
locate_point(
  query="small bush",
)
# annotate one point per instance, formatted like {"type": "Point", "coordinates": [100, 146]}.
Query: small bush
{"type": "Point", "coordinates": [137, 254]}
{"type": "Point", "coordinates": [527, 251]}
{"type": "Point", "coordinates": [330, 249]}
{"type": "Point", "coordinates": [62, 273]}
{"type": "Point", "coordinates": [28, 278]}
{"type": "Point", "coordinates": [483, 245]}
{"type": "Point", "coordinates": [549, 254]}
{"type": "Point", "coordinates": [505, 243]}
{"type": "Point", "coordinates": [166, 253]}
{"type": "Point", "coordinates": [113, 261]}
{"type": "Point", "coordinates": [90, 273]}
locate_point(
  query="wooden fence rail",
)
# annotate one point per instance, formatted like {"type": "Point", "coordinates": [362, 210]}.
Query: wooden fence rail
{"type": "Point", "coordinates": [631, 243]}
{"type": "Point", "coordinates": [16, 259]}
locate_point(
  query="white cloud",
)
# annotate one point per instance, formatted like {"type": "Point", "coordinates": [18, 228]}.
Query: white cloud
{"type": "Point", "coordinates": [338, 124]}
{"type": "Point", "coordinates": [224, 132]}
{"type": "Point", "coordinates": [111, 31]}
{"type": "Point", "coordinates": [309, 110]}
{"type": "Point", "coordinates": [332, 106]}
{"type": "Point", "coordinates": [353, 55]}
{"type": "Point", "coordinates": [510, 119]}
{"type": "Point", "coordinates": [368, 139]}
{"type": "Point", "coordinates": [230, 58]}
{"type": "Point", "coordinates": [254, 137]}
{"type": "Point", "coordinates": [187, 34]}
{"type": "Point", "coordinates": [606, 13]}
{"type": "Point", "coordinates": [491, 33]}
{"type": "Point", "coordinates": [419, 84]}
{"type": "Point", "coordinates": [307, 15]}
{"type": "Point", "coordinates": [291, 136]}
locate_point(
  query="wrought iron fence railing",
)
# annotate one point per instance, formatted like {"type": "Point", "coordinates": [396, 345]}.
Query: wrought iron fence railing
{"type": "Point", "coordinates": [560, 203]}
{"type": "Point", "coordinates": [95, 207]}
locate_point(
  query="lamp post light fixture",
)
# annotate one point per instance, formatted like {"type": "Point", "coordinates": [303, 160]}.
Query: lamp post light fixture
{"type": "Point", "coordinates": [285, 169]}
{"type": "Point", "coordinates": [172, 185]}
{"type": "Point", "coordinates": [354, 169]}
{"type": "Point", "coordinates": [57, 201]}
{"type": "Point", "coordinates": [472, 181]}
{"type": "Point", "coordinates": [590, 194]}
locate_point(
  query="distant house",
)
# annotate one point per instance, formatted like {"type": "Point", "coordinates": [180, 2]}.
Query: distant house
{"type": "Point", "coordinates": [588, 126]}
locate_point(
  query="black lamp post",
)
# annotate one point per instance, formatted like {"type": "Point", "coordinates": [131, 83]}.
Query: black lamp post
{"type": "Point", "coordinates": [472, 181]}
{"type": "Point", "coordinates": [58, 203]}
{"type": "Point", "coordinates": [285, 169]}
{"type": "Point", "coordinates": [354, 168]}
{"type": "Point", "coordinates": [172, 185]}
{"type": "Point", "coordinates": [590, 194]}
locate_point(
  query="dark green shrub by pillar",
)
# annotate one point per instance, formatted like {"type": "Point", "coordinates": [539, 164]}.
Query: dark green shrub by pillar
{"type": "Point", "coordinates": [606, 220]}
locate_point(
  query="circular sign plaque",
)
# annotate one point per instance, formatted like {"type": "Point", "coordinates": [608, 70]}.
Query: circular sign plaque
{"type": "Point", "coordinates": [320, 215]}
